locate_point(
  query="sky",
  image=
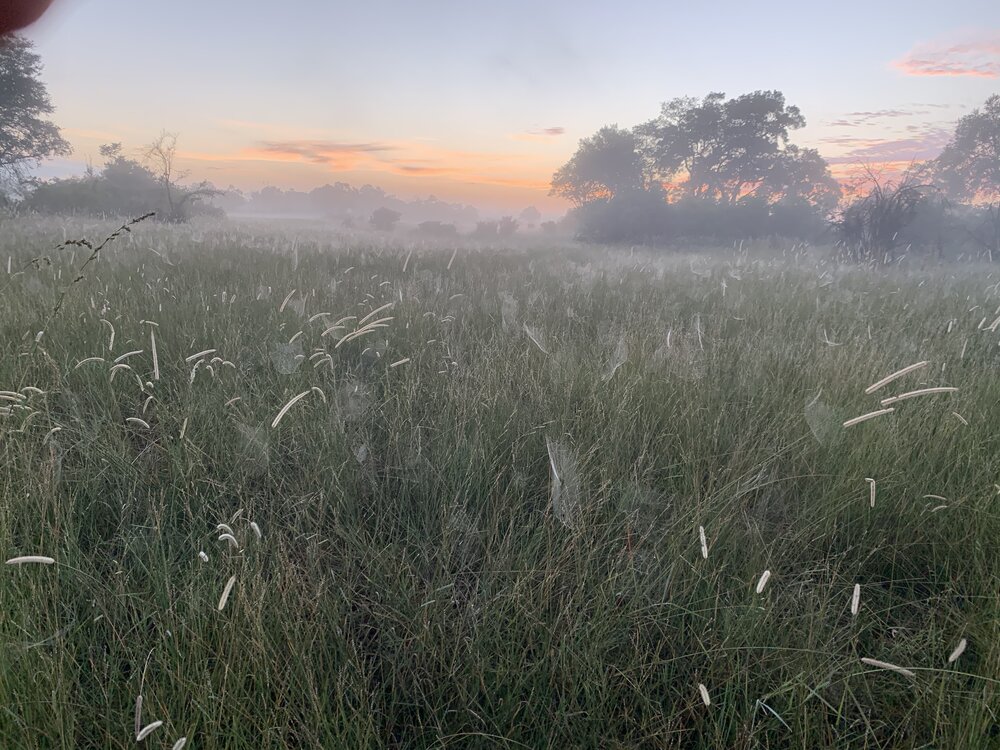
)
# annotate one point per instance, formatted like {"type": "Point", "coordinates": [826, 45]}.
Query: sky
{"type": "Point", "coordinates": [480, 102]}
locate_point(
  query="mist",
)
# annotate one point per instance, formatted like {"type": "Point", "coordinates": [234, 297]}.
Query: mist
{"type": "Point", "coordinates": [400, 375]}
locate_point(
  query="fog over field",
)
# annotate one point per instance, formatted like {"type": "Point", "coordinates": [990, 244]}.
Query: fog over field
{"type": "Point", "coordinates": [443, 376]}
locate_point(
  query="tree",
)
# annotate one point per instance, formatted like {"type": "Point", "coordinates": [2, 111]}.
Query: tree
{"type": "Point", "coordinates": [485, 230]}
{"type": "Point", "coordinates": [530, 216]}
{"type": "Point", "coordinates": [800, 176]}
{"type": "Point", "coordinates": [728, 149]}
{"type": "Point", "coordinates": [26, 137]}
{"type": "Point", "coordinates": [968, 168]}
{"type": "Point", "coordinates": [437, 230]}
{"type": "Point", "coordinates": [121, 187]}
{"type": "Point", "coordinates": [604, 165]}
{"type": "Point", "coordinates": [384, 219]}
{"type": "Point", "coordinates": [160, 156]}
{"type": "Point", "coordinates": [507, 227]}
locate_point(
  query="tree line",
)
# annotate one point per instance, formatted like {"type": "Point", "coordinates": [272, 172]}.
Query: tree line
{"type": "Point", "coordinates": [713, 170]}
{"type": "Point", "coordinates": [717, 170]}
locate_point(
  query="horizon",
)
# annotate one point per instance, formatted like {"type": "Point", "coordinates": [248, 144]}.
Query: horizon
{"type": "Point", "coordinates": [483, 112]}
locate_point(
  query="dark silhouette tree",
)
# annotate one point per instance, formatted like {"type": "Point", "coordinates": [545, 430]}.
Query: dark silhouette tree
{"type": "Point", "coordinates": [968, 168]}
{"type": "Point", "coordinates": [160, 156]}
{"type": "Point", "coordinates": [728, 149]}
{"type": "Point", "coordinates": [606, 164]}
{"type": "Point", "coordinates": [26, 136]}
{"type": "Point", "coordinates": [801, 176]}
{"type": "Point", "coordinates": [384, 219]}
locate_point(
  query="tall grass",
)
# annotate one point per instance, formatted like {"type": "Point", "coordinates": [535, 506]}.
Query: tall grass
{"type": "Point", "coordinates": [400, 578]}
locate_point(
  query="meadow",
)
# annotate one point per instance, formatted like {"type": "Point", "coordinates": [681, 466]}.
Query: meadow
{"type": "Point", "coordinates": [282, 488]}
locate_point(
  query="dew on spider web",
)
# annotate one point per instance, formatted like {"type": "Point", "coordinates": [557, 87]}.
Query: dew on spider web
{"type": "Point", "coordinates": [823, 421]}
{"type": "Point", "coordinates": [287, 358]}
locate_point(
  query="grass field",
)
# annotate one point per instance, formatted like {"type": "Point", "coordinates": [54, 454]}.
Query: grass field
{"type": "Point", "coordinates": [526, 498]}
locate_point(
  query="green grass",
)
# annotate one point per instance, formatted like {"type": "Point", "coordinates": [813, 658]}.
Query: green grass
{"type": "Point", "coordinates": [427, 595]}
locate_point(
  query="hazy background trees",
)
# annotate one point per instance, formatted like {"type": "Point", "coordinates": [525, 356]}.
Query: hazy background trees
{"type": "Point", "coordinates": [717, 170]}
{"type": "Point", "coordinates": [709, 169]}
{"type": "Point", "coordinates": [126, 186]}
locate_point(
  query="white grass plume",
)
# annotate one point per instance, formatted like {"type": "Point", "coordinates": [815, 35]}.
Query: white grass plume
{"type": "Point", "coordinates": [148, 730]}
{"type": "Point", "coordinates": [28, 559]}
{"type": "Point", "coordinates": [256, 529]}
{"type": "Point", "coordinates": [871, 491]}
{"type": "Point", "coordinates": [373, 313]}
{"type": "Point", "coordinates": [126, 355]}
{"type": "Point", "coordinates": [959, 650]}
{"type": "Point", "coordinates": [226, 592]}
{"type": "Point", "coordinates": [229, 538]}
{"type": "Point", "coordinates": [856, 600]}
{"type": "Point", "coordinates": [88, 359]}
{"type": "Point", "coordinates": [289, 405]}
{"type": "Point", "coordinates": [878, 664]}
{"type": "Point", "coordinates": [138, 713]}
{"type": "Point", "coordinates": [705, 698]}
{"type": "Point", "coordinates": [199, 355]}
{"type": "Point", "coordinates": [915, 394]}
{"type": "Point", "coordinates": [156, 358]}
{"type": "Point", "coordinates": [181, 742]}
{"type": "Point", "coordinates": [866, 417]}
{"type": "Point", "coordinates": [898, 374]}
{"type": "Point", "coordinates": [762, 582]}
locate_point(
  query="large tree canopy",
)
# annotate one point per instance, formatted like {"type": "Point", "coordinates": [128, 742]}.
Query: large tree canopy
{"type": "Point", "coordinates": [26, 137]}
{"type": "Point", "coordinates": [604, 165]}
{"type": "Point", "coordinates": [969, 167]}
{"type": "Point", "coordinates": [723, 150]}
{"type": "Point", "coordinates": [726, 149]}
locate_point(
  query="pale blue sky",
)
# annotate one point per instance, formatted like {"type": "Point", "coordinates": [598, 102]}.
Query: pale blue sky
{"type": "Point", "coordinates": [453, 98]}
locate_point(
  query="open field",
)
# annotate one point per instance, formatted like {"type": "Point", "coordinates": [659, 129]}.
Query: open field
{"type": "Point", "coordinates": [530, 502]}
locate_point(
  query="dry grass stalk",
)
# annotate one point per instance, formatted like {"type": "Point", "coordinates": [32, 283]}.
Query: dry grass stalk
{"type": "Point", "coordinates": [866, 417]}
{"type": "Point", "coordinates": [289, 405]}
{"type": "Point", "coordinates": [915, 394]}
{"type": "Point", "coordinates": [886, 665]}
{"type": "Point", "coordinates": [894, 376]}
{"type": "Point", "coordinates": [25, 559]}
{"type": "Point", "coordinates": [226, 592]}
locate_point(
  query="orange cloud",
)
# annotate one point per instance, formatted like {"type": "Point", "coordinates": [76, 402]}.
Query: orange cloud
{"type": "Point", "coordinates": [978, 57]}
{"type": "Point", "coordinates": [410, 159]}
{"type": "Point", "coordinates": [339, 156]}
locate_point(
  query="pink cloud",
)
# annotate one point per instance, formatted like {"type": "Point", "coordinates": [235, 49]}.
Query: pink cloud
{"type": "Point", "coordinates": [925, 142]}
{"type": "Point", "coordinates": [979, 57]}
{"type": "Point", "coordinates": [539, 134]}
